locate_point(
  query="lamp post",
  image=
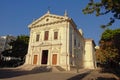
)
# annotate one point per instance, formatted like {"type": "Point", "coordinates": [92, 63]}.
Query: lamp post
{"type": "Point", "coordinates": [77, 51]}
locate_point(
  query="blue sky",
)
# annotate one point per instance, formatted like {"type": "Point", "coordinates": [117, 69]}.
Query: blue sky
{"type": "Point", "coordinates": [16, 15]}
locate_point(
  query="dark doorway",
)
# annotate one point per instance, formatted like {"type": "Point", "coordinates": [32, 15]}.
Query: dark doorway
{"type": "Point", "coordinates": [44, 56]}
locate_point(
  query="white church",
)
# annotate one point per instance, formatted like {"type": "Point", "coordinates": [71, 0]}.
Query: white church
{"type": "Point", "coordinates": [56, 41]}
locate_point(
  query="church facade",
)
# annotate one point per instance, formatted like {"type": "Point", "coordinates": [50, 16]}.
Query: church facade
{"type": "Point", "coordinates": [56, 41]}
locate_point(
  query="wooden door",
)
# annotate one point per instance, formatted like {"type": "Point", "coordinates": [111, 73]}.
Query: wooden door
{"type": "Point", "coordinates": [35, 59]}
{"type": "Point", "coordinates": [54, 59]}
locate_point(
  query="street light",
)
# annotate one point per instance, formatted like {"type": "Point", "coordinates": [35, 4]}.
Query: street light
{"type": "Point", "coordinates": [77, 50]}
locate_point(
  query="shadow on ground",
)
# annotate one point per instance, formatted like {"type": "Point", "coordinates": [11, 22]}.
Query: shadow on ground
{"type": "Point", "coordinates": [101, 78]}
{"type": "Point", "coordinates": [78, 77]}
{"type": "Point", "coordinates": [9, 73]}
{"type": "Point", "coordinates": [115, 71]}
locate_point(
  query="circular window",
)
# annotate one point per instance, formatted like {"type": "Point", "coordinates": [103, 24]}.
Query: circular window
{"type": "Point", "coordinates": [47, 19]}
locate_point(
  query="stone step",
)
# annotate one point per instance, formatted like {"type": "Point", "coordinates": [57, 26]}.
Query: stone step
{"type": "Point", "coordinates": [42, 69]}
{"type": "Point", "coordinates": [57, 69]}
{"type": "Point", "coordinates": [27, 67]}
{"type": "Point", "coordinates": [54, 69]}
{"type": "Point", "coordinates": [60, 68]}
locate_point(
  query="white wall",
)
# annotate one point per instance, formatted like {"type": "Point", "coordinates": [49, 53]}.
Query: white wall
{"type": "Point", "coordinates": [89, 57]}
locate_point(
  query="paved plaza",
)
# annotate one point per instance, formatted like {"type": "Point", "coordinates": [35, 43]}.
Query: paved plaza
{"type": "Point", "coordinates": [13, 74]}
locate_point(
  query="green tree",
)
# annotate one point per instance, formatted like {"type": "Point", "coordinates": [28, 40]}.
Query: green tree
{"type": "Point", "coordinates": [109, 51]}
{"type": "Point", "coordinates": [19, 47]}
{"type": "Point", "coordinates": [102, 7]}
{"type": "Point", "coordinates": [100, 57]}
{"type": "Point", "coordinates": [18, 50]}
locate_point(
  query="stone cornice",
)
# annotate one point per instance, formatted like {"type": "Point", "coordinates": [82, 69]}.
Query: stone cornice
{"type": "Point", "coordinates": [51, 23]}
{"type": "Point", "coordinates": [41, 45]}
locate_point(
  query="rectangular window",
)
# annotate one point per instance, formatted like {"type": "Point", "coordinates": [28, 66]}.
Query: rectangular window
{"type": "Point", "coordinates": [46, 35]}
{"type": "Point", "coordinates": [75, 42]}
{"type": "Point", "coordinates": [37, 37]}
{"type": "Point", "coordinates": [78, 44]}
{"type": "Point", "coordinates": [55, 35]}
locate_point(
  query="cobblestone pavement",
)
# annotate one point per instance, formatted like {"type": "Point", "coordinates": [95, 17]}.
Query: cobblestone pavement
{"type": "Point", "coordinates": [11, 74]}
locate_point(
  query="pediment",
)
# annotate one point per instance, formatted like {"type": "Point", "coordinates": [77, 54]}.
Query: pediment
{"type": "Point", "coordinates": [48, 19]}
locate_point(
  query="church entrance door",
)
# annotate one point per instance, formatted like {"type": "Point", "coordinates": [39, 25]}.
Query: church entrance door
{"type": "Point", "coordinates": [35, 59]}
{"type": "Point", "coordinates": [54, 59]}
{"type": "Point", "coordinates": [44, 56]}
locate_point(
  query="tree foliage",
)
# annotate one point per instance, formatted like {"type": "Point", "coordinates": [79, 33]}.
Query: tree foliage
{"type": "Point", "coordinates": [109, 51]}
{"type": "Point", "coordinates": [102, 7]}
{"type": "Point", "coordinates": [19, 47]}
